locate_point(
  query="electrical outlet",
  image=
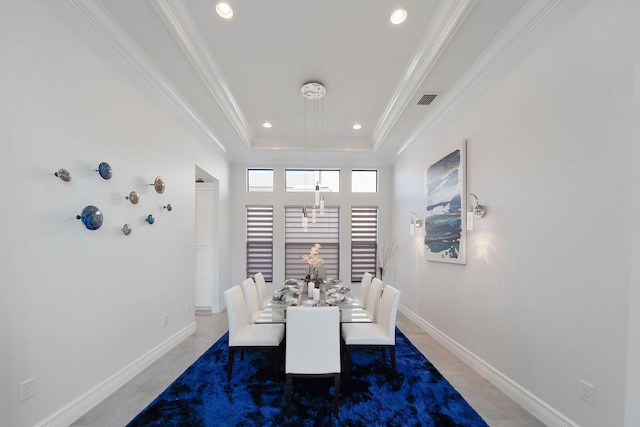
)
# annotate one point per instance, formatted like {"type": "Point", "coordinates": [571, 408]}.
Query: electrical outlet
{"type": "Point", "coordinates": [587, 392]}
{"type": "Point", "coordinates": [165, 320]}
{"type": "Point", "coordinates": [27, 389]}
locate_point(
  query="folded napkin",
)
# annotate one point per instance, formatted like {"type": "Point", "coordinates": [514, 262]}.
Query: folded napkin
{"type": "Point", "coordinates": [279, 298]}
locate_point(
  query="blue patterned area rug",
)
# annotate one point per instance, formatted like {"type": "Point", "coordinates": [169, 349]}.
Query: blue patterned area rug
{"type": "Point", "coordinates": [417, 395]}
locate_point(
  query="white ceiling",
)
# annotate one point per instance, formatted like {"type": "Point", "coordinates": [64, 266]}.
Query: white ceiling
{"type": "Point", "coordinates": [228, 77]}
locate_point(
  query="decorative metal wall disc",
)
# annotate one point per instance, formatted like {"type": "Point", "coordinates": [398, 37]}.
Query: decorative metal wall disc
{"type": "Point", "coordinates": [158, 185]}
{"type": "Point", "coordinates": [150, 219]}
{"type": "Point", "coordinates": [126, 229]}
{"type": "Point", "coordinates": [104, 169]}
{"type": "Point", "coordinates": [168, 207]}
{"type": "Point", "coordinates": [133, 198]}
{"type": "Point", "coordinates": [91, 217]}
{"type": "Point", "coordinates": [63, 174]}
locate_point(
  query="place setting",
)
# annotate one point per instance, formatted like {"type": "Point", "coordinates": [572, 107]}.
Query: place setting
{"type": "Point", "coordinates": [288, 294]}
{"type": "Point", "coordinates": [337, 293]}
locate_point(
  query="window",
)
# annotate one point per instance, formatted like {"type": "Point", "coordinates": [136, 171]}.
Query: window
{"type": "Point", "coordinates": [260, 180]}
{"type": "Point", "coordinates": [325, 231]}
{"type": "Point", "coordinates": [260, 241]}
{"type": "Point", "coordinates": [364, 241]}
{"type": "Point", "coordinates": [364, 181]}
{"type": "Point", "coordinates": [305, 180]}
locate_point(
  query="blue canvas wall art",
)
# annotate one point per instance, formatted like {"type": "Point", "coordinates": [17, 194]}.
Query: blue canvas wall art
{"type": "Point", "coordinates": [444, 232]}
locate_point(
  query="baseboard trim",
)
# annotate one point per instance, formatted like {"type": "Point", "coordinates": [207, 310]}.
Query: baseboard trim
{"type": "Point", "coordinates": [217, 308]}
{"type": "Point", "coordinates": [84, 403]}
{"type": "Point", "coordinates": [537, 407]}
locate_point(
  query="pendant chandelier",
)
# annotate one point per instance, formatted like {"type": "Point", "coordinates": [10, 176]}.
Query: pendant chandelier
{"type": "Point", "coordinates": [314, 92]}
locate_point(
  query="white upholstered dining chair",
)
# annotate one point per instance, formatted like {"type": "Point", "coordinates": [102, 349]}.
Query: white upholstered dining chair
{"type": "Point", "coordinates": [313, 353]}
{"type": "Point", "coordinates": [381, 334]}
{"type": "Point", "coordinates": [261, 286]}
{"type": "Point", "coordinates": [243, 335]}
{"type": "Point", "coordinates": [373, 299]}
{"type": "Point", "coordinates": [251, 299]}
{"type": "Point", "coordinates": [365, 284]}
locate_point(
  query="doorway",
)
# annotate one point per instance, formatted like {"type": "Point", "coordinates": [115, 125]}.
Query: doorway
{"type": "Point", "coordinates": [207, 280]}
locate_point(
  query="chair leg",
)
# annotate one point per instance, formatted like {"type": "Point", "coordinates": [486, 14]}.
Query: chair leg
{"type": "Point", "coordinates": [392, 351]}
{"type": "Point", "coordinates": [336, 394]}
{"type": "Point", "coordinates": [348, 361]}
{"type": "Point", "coordinates": [289, 395]}
{"type": "Point", "coordinates": [276, 362]}
{"type": "Point", "coordinates": [230, 363]}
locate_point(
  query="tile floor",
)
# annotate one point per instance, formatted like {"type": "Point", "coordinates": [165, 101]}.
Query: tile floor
{"type": "Point", "coordinates": [495, 407]}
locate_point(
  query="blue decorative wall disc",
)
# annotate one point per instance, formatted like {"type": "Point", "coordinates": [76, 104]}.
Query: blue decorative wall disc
{"type": "Point", "coordinates": [104, 169]}
{"type": "Point", "coordinates": [91, 217]}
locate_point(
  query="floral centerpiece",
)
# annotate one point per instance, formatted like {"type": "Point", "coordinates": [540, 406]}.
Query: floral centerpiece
{"type": "Point", "coordinates": [313, 260]}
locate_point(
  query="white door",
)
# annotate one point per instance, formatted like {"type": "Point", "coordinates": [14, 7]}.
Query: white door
{"type": "Point", "coordinates": [205, 284]}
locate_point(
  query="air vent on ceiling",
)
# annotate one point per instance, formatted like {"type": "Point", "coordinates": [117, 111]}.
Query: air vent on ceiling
{"type": "Point", "coordinates": [427, 99]}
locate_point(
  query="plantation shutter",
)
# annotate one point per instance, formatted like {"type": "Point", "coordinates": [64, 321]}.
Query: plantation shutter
{"type": "Point", "coordinates": [364, 241]}
{"type": "Point", "coordinates": [326, 232]}
{"type": "Point", "coordinates": [260, 241]}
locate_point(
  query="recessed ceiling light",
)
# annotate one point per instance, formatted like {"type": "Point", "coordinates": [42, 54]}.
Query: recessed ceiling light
{"type": "Point", "coordinates": [267, 125]}
{"type": "Point", "coordinates": [224, 10]}
{"type": "Point", "coordinates": [357, 126]}
{"type": "Point", "coordinates": [398, 16]}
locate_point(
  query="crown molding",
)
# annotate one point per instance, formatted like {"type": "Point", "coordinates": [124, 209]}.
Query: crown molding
{"type": "Point", "coordinates": [194, 46]}
{"type": "Point", "coordinates": [343, 145]}
{"type": "Point", "coordinates": [420, 66]}
{"type": "Point", "coordinates": [297, 159]}
{"type": "Point", "coordinates": [531, 15]}
{"type": "Point", "coordinates": [106, 25]}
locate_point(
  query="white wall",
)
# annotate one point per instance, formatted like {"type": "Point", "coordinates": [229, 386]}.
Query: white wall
{"type": "Point", "coordinates": [632, 414]}
{"type": "Point", "coordinates": [279, 199]}
{"type": "Point", "coordinates": [543, 298]}
{"type": "Point", "coordinates": [84, 308]}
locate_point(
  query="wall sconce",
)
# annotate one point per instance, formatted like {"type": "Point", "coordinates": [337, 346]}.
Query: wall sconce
{"type": "Point", "coordinates": [477, 209]}
{"type": "Point", "coordinates": [415, 222]}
